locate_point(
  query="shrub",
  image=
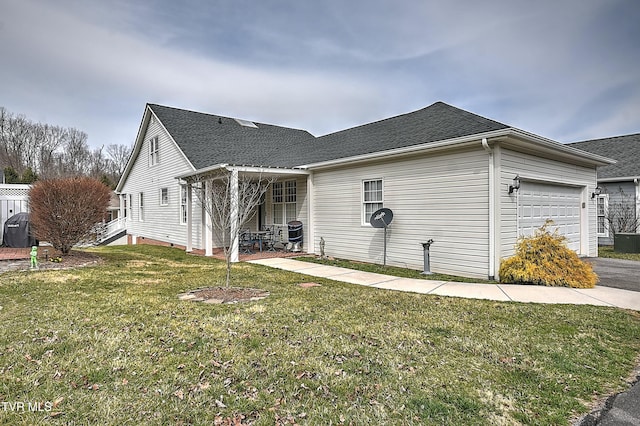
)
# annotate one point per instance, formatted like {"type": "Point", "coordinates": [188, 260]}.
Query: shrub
{"type": "Point", "coordinates": [545, 259]}
{"type": "Point", "coordinates": [64, 211]}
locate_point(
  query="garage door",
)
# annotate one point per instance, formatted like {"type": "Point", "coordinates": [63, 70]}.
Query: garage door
{"type": "Point", "coordinates": [538, 202]}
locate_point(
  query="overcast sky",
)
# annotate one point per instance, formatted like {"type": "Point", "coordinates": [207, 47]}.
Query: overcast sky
{"type": "Point", "coordinates": [565, 69]}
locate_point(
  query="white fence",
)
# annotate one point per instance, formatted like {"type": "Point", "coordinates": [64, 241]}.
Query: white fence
{"type": "Point", "coordinates": [13, 200]}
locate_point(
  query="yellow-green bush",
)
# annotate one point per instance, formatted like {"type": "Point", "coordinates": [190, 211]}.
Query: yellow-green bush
{"type": "Point", "coordinates": [545, 259]}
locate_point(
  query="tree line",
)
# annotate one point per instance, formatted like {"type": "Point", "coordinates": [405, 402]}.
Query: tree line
{"type": "Point", "coordinates": [30, 151]}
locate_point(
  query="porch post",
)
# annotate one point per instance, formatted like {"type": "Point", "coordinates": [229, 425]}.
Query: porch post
{"type": "Point", "coordinates": [310, 237]}
{"type": "Point", "coordinates": [189, 208]}
{"type": "Point", "coordinates": [121, 208]}
{"type": "Point", "coordinates": [233, 237]}
{"type": "Point", "coordinates": [207, 224]}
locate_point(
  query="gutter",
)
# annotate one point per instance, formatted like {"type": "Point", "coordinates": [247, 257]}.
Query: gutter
{"type": "Point", "coordinates": [620, 179]}
{"type": "Point", "coordinates": [244, 169]}
{"type": "Point", "coordinates": [201, 171]}
{"type": "Point", "coordinates": [468, 140]}
{"type": "Point", "coordinates": [472, 139]}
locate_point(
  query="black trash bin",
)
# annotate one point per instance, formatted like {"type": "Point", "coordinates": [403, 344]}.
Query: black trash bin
{"type": "Point", "coordinates": [295, 235]}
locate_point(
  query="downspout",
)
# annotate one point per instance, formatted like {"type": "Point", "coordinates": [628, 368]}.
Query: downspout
{"type": "Point", "coordinates": [492, 213]}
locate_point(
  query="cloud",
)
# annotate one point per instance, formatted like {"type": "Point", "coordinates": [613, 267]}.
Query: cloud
{"type": "Point", "coordinates": [322, 66]}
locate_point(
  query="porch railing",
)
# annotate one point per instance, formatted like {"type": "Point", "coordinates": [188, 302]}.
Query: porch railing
{"type": "Point", "coordinates": [109, 229]}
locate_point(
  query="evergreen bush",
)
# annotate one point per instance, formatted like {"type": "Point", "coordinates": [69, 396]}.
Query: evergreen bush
{"type": "Point", "coordinates": [545, 259]}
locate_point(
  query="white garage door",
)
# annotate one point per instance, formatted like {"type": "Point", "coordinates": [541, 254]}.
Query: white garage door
{"type": "Point", "coordinates": [538, 202]}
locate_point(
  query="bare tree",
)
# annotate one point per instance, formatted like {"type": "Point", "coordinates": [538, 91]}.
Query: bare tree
{"type": "Point", "coordinates": [53, 140]}
{"type": "Point", "coordinates": [48, 151]}
{"type": "Point", "coordinates": [229, 213]}
{"type": "Point", "coordinates": [119, 155]}
{"type": "Point", "coordinates": [15, 135]}
{"type": "Point", "coordinates": [76, 160]}
{"type": "Point", "coordinates": [621, 213]}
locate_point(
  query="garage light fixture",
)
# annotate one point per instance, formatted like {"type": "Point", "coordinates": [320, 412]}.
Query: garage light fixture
{"type": "Point", "coordinates": [597, 191]}
{"type": "Point", "coordinates": [516, 184]}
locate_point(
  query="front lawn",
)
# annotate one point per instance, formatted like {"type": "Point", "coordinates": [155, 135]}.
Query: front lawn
{"type": "Point", "coordinates": [112, 344]}
{"type": "Point", "coordinates": [607, 251]}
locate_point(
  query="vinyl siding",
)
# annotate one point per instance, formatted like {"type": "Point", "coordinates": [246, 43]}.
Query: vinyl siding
{"type": "Point", "coordinates": [443, 197]}
{"type": "Point", "coordinates": [544, 170]}
{"type": "Point", "coordinates": [161, 222]}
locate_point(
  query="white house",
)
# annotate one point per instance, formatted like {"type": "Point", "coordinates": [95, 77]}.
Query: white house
{"type": "Point", "coordinates": [471, 184]}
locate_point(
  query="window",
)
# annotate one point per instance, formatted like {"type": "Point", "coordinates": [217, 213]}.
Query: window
{"type": "Point", "coordinates": [183, 204]}
{"type": "Point", "coordinates": [602, 207]}
{"type": "Point", "coordinates": [141, 206]}
{"type": "Point", "coordinates": [153, 151]}
{"type": "Point", "coordinates": [284, 197]}
{"type": "Point", "coordinates": [125, 206]}
{"type": "Point", "coordinates": [371, 198]}
{"type": "Point", "coordinates": [164, 196]}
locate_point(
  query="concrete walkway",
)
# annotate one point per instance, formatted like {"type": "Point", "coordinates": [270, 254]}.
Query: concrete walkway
{"type": "Point", "coordinates": [601, 296]}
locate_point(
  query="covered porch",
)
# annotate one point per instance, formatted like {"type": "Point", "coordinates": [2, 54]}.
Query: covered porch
{"type": "Point", "coordinates": [246, 209]}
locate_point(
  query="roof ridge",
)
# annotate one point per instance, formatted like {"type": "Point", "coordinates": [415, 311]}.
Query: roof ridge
{"type": "Point", "coordinates": [262, 124]}
{"type": "Point", "coordinates": [606, 138]}
{"type": "Point", "coordinates": [473, 116]}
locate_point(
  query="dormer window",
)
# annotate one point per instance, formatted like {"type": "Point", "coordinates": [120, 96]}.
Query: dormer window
{"type": "Point", "coordinates": [153, 151]}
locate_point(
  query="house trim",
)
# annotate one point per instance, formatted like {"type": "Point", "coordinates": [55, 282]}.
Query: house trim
{"type": "Point", "coordinates": [137, 147]}
{"type": "Point", "coordinates": [492, 237]}
{"type": "Point", "coordinates": [244, 169]}
{"type": "Point", "coordinates": [519, 140]}
{"type": "Point", "coordinates": [604, 197]}
{"type": "Point", "coordinates": [634, 179]}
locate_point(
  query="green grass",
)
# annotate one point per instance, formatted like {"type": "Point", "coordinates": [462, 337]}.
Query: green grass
{"type": "Point", "coordinates": [112, 344]}
{"type": "Point", "coordinates": [607, 251]}
{"type": "Point", "coordinates": [390, 270]}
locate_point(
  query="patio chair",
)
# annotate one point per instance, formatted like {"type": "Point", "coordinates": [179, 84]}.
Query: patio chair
{"type": "Point", "coordinates": [246, 242]}
{"type": "Point", "coordinates": [270, 241]}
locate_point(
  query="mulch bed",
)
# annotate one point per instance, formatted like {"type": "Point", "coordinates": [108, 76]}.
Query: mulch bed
{"type": "Point", "coordinates": [224, 295]}
{"type": "Point", "coordinates": [75, 259]}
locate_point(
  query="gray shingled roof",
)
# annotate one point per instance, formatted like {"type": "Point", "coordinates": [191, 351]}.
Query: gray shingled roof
{"type": "Point", "coordinates": [624, 149]}
{"type": "Point", "coordinates": [208, 139]}
{"type": "Point", "coordinates": [434, 123]}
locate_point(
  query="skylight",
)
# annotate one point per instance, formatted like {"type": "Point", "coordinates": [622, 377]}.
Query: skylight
{"type": "Point", "coordinates": [246, 123]}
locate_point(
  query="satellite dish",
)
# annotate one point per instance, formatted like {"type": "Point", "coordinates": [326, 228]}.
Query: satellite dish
{"type": "Point", "coordinates": [381, 218]}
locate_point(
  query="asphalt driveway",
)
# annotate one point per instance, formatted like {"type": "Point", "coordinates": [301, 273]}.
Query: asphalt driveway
{"type": "Point", "coordinates": [618, 273]}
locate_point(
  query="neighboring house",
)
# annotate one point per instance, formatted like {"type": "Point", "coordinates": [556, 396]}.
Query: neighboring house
{"type": "Point", "coordinates": [447, 175]}
{"type": "Point", "coordinates": [113, 209]}
{"type": "Point", "coordinates": [619, 183]}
